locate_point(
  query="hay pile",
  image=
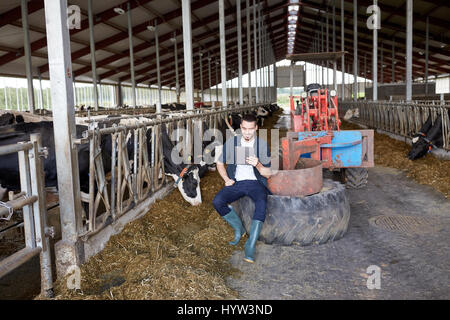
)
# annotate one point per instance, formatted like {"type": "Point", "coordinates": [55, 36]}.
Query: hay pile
{"type": "Point", "coordinates": [392, 153]}
{"type": "Point", "coordinates": [175, 251]}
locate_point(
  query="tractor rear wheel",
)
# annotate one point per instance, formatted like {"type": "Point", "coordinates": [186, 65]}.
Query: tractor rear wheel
{"type": "Point", "coordinates": [313, 219]}
{"type": "Point", "coordinates": [355, 178]}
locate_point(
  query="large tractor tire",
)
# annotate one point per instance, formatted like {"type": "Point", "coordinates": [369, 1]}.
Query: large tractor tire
{"type": "Point", "coordinates": [313, 219]}
{"type": "Point", "coordinates": [355, 178]}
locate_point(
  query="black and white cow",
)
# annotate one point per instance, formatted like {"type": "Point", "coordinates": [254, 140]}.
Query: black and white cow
{"type": "Point", "coordinates": [9, 118]}
{"type": "Point", "coordinates": [9, 166]}
{"type": "Point", "coordinates": [173, 106]}
{"type": "Point", "coordinates": [423, 130]}
{"type": "Point", "coordinates": [186, 176]}
{"type": "Point", "coordinates": [430, 136]}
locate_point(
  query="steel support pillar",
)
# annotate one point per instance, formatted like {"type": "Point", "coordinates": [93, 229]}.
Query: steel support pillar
{"type": "Point", "coordinates": [41, 93]}
{"type": "Point", "coordinates": [223, 61]}
{"type": "Point", "coordinates": [328, 48]}
{"type": "Point", "coordinates": [249, 52]}
{"type": "Point", "coordinates": [209, 77]}
{"type": "Point", "coordinates": [255, 51]}
{"type": "Point", "coordinates": [130, 44]}
{"type": "Point", "coordinates": [334, 46]}
{"type": "Point", "coordinates": [260, 53]}
{"type": "Point", "coordinates": [409, 34]}
{"type": "Point", "coordinates": [177, 77]}
{"type": "Point", "coordinates": [187, 45]}
{"type": "Point", "coordinates": [393, 62]}
{"type": "Point", "coordinates": [291, 78]}
{"type": "Point", "coordinates": [381, 63]}
{"type": "Point", "coordinates": [355, 50]}
{"type": "Point", "coordinates": [239, 40]}
{"type": "Point", "coordinates": [427, 43]}
{"type": "Point", "coordinates": [69, 251]}
{"type": "Point", "coordinates": [342, 49]}
{"type": "Point", "coordinates": [92, 53]}
{"type": "Point", "coordinates": [216, 63]}
{"type": "Point", "coordinates": [158, 69]}
{"type": "Point", "coordinates": [27, 51]}
{"type": "Point", "coordinates": [375, 62]}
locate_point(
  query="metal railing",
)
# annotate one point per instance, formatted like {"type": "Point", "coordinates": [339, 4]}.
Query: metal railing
{"type": "Point", "coordinates": [31, 200]}
{"type": "Point", "coordinates": [401, 118]}
{"type": "Point", "coordinates": [135, 177]}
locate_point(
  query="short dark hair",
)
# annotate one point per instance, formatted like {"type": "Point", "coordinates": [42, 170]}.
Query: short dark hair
{"type": "Point", "coordinates": [249, 117]}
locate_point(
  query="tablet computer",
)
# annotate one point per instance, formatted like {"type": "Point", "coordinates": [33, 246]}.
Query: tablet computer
{"type": "Point", "coordinates": [242, 153]}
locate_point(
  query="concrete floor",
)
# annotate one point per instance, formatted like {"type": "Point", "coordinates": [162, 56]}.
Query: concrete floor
{"type": "Point", "coordinates": [414, 261]}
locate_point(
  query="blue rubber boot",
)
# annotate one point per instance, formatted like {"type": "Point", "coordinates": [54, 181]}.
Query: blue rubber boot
{"type": "Point", "coordinates": [233, 219]}
{"type": "Point", "coordinates": [250, 245]}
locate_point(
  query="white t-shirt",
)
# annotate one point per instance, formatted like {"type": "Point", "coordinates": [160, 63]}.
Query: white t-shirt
{"type": "Point", "coordinates": [245, 171]}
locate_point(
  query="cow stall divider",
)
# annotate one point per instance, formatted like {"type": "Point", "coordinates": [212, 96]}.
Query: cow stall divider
{"type": "Point", "coordinates": [400, 118]}
{"type": "Point", "coordinates": [31, 200]}
{"type": "Point", "coordinates": [115, 111]}
{"type": "Point", "coordinates": [137, 164]}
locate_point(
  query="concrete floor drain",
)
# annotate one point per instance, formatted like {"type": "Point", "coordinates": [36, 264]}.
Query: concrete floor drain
{"type": "Point", "coordinates": [403, 224]}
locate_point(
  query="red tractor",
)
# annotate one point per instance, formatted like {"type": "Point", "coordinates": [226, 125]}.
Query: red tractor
{"type": "Point", "coordinates": [317, 110]}
{"type": "Point", "coordinates": [315, 133]}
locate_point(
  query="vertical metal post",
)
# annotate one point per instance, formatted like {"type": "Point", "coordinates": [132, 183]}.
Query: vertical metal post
{"type": "Point", "coordinates": [291, 78]}
{"type": "Point", "coordinates": [130, 44]}
{"type": "Point", "coordinates": [375, 62]}
{"type": "Point", "coordinates": [355, 50]}
{"type": "Point", "coordinates": [427, 39]}
{"type": "Point", "coordinates": [209, 77]}
{"type": "Point", "coordinates": [239, 39]}
{"type": "Point", "coordinates": [249, 52]}
{"type": "Point", "coordinates": [328, 46]}
{"type": "Point", "coordinates": [334, 47]}
{"type": "Point", "coordinates": [177, 78]}
{"type": "Point", "coordinates": [158, 69]}
{"type": "Point", "coordinates": [69, 251]}
{"type": "Point", "coordinates": [381, 63]}
{"type": "Point", "coordinates": [41, 93]}
{"type": "Point", "coordinates": [119, 94]}
{"type": "Point", "coordinates": [27, 49]}
{"type": "Point", "coordinates": [40, 216]}
{"type": "Point", "coordinates": [200, 57]}
{"type": "Point", "coordinates": [223, 57]}
{"type": "Point", "coordinates": [92, 48]}
{"type": "Point", "coordinates": [187, 45]}
{"type": "Point", "coordinates": [365, 74]}
{"type": "Point", "coordinates": [255, 47]}
{"type": "Point", "coordinates": [274, 82]}
{"type": "Point", "coordinates": [409, 21]}
{"type": "Point", "coordinates": [342, 49]}
{"type": "Point", "coordinates": [322, 50]}
{"type": "Point", "coordinates": [393, 61]}
{"type": "Point", "coordinates": [260, 52]}
{"type": "Point", "coordinates": [217, 80]}
{"type": "Point", "coordinates": [6, 98]}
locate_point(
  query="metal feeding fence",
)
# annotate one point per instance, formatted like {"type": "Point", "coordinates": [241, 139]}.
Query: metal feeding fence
{"type": "Point", "coordinates": [31, 201]}
{"type": "Point", "coordinates": [134, 177]}
{"type": "Point", "coordinates": [401, 118]}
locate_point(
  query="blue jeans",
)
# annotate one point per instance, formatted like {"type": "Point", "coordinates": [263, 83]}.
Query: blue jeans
{"type": "Point", "coordinates": [252, 188]}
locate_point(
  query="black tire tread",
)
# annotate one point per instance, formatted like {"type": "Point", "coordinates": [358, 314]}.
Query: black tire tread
{"type": "Point", "coordinates": [356, 178]}
{"type": "Point", "coordinates": [316, 219]}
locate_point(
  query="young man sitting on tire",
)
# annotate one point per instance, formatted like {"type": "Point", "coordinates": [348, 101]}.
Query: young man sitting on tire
{"type": "Point", "coordinates": [244, 179]}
